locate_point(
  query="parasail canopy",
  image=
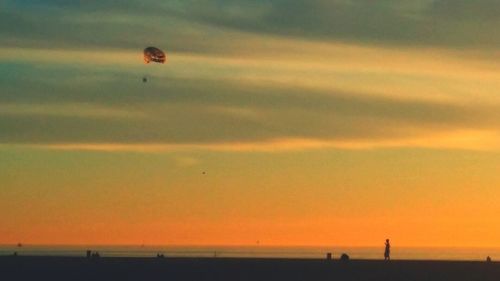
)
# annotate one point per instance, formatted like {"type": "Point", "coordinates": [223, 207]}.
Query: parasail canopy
{"type": "Point", "coordinates": [153, 54]}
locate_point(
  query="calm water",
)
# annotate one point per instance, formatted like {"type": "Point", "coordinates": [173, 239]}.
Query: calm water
{"type": "Point", "coordinates": [265, 252]}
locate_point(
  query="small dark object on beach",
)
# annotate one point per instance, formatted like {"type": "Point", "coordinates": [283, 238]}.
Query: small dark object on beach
{"type": "Point", "coordinates": [160, 256]}
{"type": "Point", "coordinates": [95, 255]}
{"type": "Point", "coordinates": [488, 259]}
{"type": "Point", "coordinates": [144, 79]}
{"type": "Point", "coordinates": [89, 254]}
{"type": "Point", "coordinates": [344, 257]}
{"type": "Point", "coordinates": [328, 256]}
{"type": "Point", "coordinates": [14, 254]}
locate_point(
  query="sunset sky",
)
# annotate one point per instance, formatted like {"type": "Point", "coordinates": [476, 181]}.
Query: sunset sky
{"type": "Point", "coordinates": [289, 122]}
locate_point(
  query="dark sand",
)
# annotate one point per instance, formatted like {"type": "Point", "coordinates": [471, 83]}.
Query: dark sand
{"type": "Point", "coordinates": [199, 269]}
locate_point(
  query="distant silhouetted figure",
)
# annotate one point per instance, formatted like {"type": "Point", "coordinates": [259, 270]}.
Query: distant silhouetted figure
{"type": "Point", "coordinates": [89, 254]}
{"type": "Point", "coordinates": [488, 259]}
{"type": "Point", "coordinates": [344, 257]}
{"type": "Point", "coordinates": [15, 254]}
{"type": "Point", "coordinates": [387, 252]}
{"type": "Point", "coordinates": [328, 256]}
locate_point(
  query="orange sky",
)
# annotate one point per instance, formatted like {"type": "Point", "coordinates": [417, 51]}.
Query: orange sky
{"type": "Point", "coordinates": [417, 197]}
{"type": "Point", "coordinates": [319, 123]}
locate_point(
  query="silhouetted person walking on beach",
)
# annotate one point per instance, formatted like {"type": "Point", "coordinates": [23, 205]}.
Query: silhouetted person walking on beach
{"type": "Point", "coordinates": [387, 252]}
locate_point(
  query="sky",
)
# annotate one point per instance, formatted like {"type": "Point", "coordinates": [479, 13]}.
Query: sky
{"type": "Point", "coordinates": [304, 122]}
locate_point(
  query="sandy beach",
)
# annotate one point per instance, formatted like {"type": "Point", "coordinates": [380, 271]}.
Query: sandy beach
{"type": "Point", "coordinates": [70, 268]}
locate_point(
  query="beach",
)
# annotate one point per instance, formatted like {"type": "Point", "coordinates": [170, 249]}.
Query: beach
{"type": "Point", "coordinates": [231, 269]}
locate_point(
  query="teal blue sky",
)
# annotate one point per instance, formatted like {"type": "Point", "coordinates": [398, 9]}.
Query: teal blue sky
{"type": "Point", "coordinates": [131, 23]}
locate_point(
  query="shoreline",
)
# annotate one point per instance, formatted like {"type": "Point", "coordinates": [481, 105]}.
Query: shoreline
{"type": "Point", "coordinates": [368, 253]}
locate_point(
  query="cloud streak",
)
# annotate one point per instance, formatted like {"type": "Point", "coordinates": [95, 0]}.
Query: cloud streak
{"type": "Point", "coordinates": [463, 140]}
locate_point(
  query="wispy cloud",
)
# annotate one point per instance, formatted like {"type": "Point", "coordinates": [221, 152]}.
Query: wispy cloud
{"type": "Point", "coordinates": [80, 110]}
{"type": "Point", "coordinates": [463, 140]}
{"type": "Point", "coordinates": [187, 161]}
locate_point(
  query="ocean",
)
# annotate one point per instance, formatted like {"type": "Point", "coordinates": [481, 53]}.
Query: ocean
{"type": "Point", "coordinates": [404, 253]}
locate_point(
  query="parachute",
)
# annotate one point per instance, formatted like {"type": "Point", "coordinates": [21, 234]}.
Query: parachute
{"type": "Point", "coordinates": [153, 54]}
